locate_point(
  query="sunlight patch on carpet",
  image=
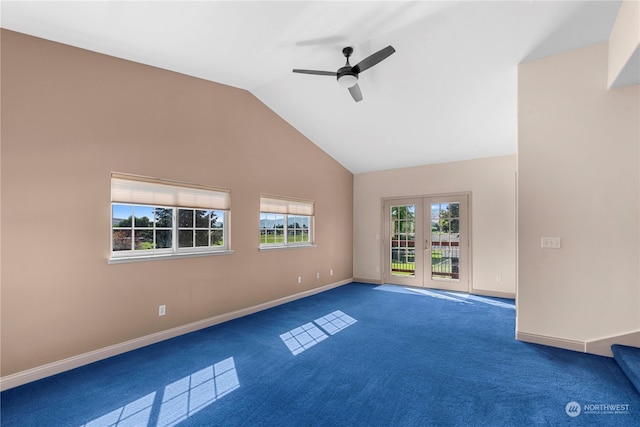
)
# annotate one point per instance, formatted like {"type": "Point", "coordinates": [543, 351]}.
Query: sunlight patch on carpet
{"type": "Point", "coordinates": [306, 336]}
{"type": "Point", "coordinates": [303, 337]}
{"type": "Point", "coordinates": [180, 399]}
{"type": "Point", "coordinates": [335, 322]}
{"type": "Point", "coordinates": [483, 300]}
{"type": "Point", "coordinates": [188, 395]}
{"type": "Point", "coordinates": [458, 297]}
{"type": "Point", "coordinates": [136, 413]}
{"type": "Point", "coordinates": [438, 295]}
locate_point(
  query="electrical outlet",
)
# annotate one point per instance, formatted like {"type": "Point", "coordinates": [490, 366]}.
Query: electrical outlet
{"type": "Point", "coordinates": [498, 279]}
{"type": "Point", "coordinates": [162, 310]}
{"type": "Point", "coordinates": [317, 275]}
{"type": "Point", "coordinates": [299, 279]}
{"type": "Point", "coordinates": [331, 272]}
{"type": "Point", "coordinates": [550, 242]}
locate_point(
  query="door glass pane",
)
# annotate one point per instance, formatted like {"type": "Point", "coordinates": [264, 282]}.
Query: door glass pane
{"type": "Point", "coordinates": [445, 241]}
{"type": "Point", "coordinates": [403, 236]}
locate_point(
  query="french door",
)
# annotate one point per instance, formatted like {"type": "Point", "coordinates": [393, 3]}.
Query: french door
{"type": "Point", "coordinates": [426, 242]}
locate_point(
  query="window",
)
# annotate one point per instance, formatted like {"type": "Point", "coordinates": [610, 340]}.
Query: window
{"type": "Point", "coordinates": [141, 227]}
{"type": "Point", "coordinates": [200, 228]}
{"type": "Point", "coordinates": [152, 218]}
{"type": "Point", "coordinates": [285, 222]}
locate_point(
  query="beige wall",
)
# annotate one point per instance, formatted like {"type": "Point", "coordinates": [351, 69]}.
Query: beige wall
{"type": "Point", "coordinates": [491, 182]}
{"type": "Point", "coordinates": [578, 179]}
{"type": "Point", "coordinates": [71, 117]}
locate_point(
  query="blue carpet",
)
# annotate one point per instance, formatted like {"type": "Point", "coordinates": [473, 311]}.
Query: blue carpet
{"type": "Point", "coordinates": [358, 355]}
{"type": "Point", "coordinates": [629, 360]}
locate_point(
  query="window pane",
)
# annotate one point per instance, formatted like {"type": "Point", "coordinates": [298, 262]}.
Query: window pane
{"type": "Point", "coordinates": [272, 228]}
{"type": "Point", "coordinates": [270, 237]}
{"type": "Point", "coordinates": [185, 238]}
{"type": "Point", "coordinates": [282, 229]}
{"type": "Point", "coordinates": [216, 238]}
{"type": "Point", "coordinates": [163, 239]}
{"type": "Point", "coordinates": [202, 219]}
{"type": "Point", "coordinates": [163, 217]}
{"type": "Point", "coordinates": [185, 218]}
{"type": "Point", "coordinates": [298, 228]}
{"type": "Point", "coordinates": [121, 215]}
{"type": "Point", "coordinates": [144, 240]}
{"type": "Point", "coordinates": [143, 216]}
{"type": "Point", "coordinates": [266, 220]}
{"type": "Point", "coordinates": [121, 240]}
{"type": "Point", "coordinates": [304, 222]}
{"type": "Point", "coordinates": [202, 237]}
{"type": "Point", "coordinates": [217, 219]}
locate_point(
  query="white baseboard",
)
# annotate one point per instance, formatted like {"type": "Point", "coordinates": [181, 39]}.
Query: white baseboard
{"type": "Point", "coordinates": [497, 294]}
{"type": "Point", "coordinates": [368, 281]}
{"type": "Point", "coordinates": [24, 377]}
{"type": "Point", "coordinates": [551, 341]}
{"type": "Point", "coordinates": [602, 346]}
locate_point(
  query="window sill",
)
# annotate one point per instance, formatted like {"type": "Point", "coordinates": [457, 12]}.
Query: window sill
{"type": "Point", "coordinates": [279, 248]}
{"type": "Point", "coordinates": [125, 260]}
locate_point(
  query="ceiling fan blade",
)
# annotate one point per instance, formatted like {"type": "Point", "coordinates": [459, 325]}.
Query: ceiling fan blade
{"type": "Point", "coordinates": [355, 92]}
{"type": "Point", "coordinates": [373, 59]}
{"type": "Point", "coordinates": [316, 72]}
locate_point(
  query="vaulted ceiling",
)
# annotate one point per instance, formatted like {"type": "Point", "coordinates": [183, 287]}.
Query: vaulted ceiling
{"type": "Point", "coordinates": [448, 93]}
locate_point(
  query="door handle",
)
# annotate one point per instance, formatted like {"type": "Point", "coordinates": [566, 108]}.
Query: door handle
{"type": "Point", "coordinates": [426, 245]}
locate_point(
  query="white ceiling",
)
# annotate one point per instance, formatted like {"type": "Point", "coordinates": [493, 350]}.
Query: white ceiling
{"type": "Point", "coordinates": [448, 93]}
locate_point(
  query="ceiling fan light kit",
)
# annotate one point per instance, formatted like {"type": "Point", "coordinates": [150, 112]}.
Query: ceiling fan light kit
{"type": "Point", "coordinates": [347, 80]}
{"type": "Point", "coordinates": [348, 76]}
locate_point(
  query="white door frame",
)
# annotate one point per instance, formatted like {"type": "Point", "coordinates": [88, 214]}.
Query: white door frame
{"type": "Point", "coordinates": [421, 273]}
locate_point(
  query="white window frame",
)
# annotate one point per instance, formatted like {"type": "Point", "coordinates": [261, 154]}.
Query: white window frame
{"type": "Point", "coordinates": [133, 190]}
{"type": "Point", "coordinates": [285, 206]}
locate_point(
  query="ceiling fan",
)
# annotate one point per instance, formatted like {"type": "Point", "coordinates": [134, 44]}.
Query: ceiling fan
{"type": "Point", "coordinates": [348, 75]}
